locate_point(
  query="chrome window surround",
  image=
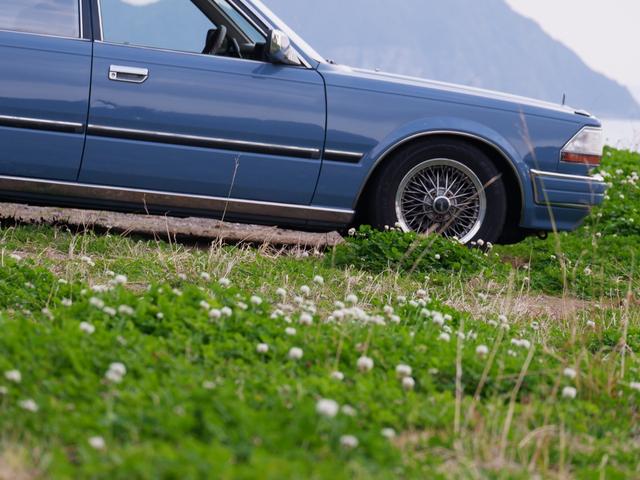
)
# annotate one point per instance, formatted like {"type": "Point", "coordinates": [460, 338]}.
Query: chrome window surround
{"type": "Point", "coordinates": [172, 200]}
{"type": "Point", "coordinates": [539, 197]}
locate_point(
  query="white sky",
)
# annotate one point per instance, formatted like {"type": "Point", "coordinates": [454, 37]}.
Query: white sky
{"type": "Point", "coordinates": [603, 32]}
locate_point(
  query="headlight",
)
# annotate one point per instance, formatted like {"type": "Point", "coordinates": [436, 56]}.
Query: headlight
{"type": "Point", "coordinates": [585, 148]}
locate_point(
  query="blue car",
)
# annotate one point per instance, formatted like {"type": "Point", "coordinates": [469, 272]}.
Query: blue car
{"type": "Point", "coordinates": [217, 108]}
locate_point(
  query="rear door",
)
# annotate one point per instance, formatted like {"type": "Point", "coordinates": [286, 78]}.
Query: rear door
{"type": "Point", "coordinates": [165, 117]}
{"type": "Point", "coordinates": [45, 71]}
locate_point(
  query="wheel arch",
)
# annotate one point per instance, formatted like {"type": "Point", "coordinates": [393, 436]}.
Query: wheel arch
{"type": "Point", "coordinates": [513, 181]}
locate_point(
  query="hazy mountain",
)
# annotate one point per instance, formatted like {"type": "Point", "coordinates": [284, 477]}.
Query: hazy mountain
{"type": "Point", "coordinates": [481, 43]}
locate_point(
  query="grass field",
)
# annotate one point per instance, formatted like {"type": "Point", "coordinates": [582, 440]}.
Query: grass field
{"type": "Point", "coordinates": [390, 357]}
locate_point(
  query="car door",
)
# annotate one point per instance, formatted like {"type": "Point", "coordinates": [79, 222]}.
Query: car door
{"type": "Point", "coordinates": [165, 117]}
{"type": "Point", "coordinates": [45, 70]}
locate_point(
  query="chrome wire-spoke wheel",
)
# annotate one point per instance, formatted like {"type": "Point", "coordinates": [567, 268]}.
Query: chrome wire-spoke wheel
{"type": "Point", "coordinates": [442, 196]}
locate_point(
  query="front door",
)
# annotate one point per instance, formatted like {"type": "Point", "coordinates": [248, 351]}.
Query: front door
{"type": "Point", "coordinates": [166, 117]}
{"type": "Point", "coordinates": [45, 70]}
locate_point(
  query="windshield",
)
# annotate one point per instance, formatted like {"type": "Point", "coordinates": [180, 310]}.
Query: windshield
{"type": "Point", "coordinates": [295, 38]}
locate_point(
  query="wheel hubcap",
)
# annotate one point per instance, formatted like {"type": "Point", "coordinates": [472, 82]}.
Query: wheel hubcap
{"type": "Point", "coordinates": [441, 196]}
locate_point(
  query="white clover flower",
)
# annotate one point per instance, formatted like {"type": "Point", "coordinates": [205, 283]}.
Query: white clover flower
{"type": "Point", "coordinates": [327, 408]}
{"type": "Point", "coordinates": [395, 319]}
{"type": "Point", "coordinates": [177, 292]}
{"type": "Point", "coordinates": [365, 364]}
{"type": "Point", "coordinates": [318, 279]}
{"type": "Point", "coordinates": [437, 318]}
{"type": "Point", "coordinates": [109, 311]}
{"type": "Point", "coordinates": [88, 261]}
{"type": "Point", "coordinates": [226, 311]}
{"type": "Point", "coordinates": [215, 314]}
{"type": "Point", "coordinates": [87, 328]}
{"type": "Point", "coordinates": [159, 315]}
{"type": "Point", "coordinates": [482, 350]}
{"type": "Point", "coordinates": [204, 305]}
{"type": "Point", "coordinates": [421, 294]}
{"type": "Point", "coordinates": [281, 292]}
{"type": "Point", "coordinates": [306, 319]}
{"type": "Point", "coordinates": [47, 313]}
{"type": "Point", "coordinates": [591, 324]}
{"type": "Point", "coordinates": [182, 276]}
{"type": "Point", "coordinates": [96, 302]}
{"type": "Point", "coordinates": [349, 442]}
{"type": "Point", "coordinates": [408, 383]}
{"type": "Point", "coordinates": [295, 353]}
{"type": "Point", "coordinates": [120, 279]}
{"type": "Point", "coordinates": [437, 256]}
{"type": "Point", "coordinates": [13, 376]}
{"type": "Point", "coordinates": [66, 302]}
{"type": "Point", "coordinates": [388, 310]}
{"type": "Point", "coordinates": [445, 337]}
{"type": "Point", "coordinates": [97, 443]}
{"type": "Point", "coordinates": [337, 376]}
{"type": "Point", "coordinates": [403, 371]}
{"type": "Point", "coordinates": [352, 232]}
{"type": "Point", "coordinates": [305, 290]}
{"type": "Point", "coordinates": [570, 373]}
{"type": "Point", "coordinates": [262, 348]}
{"type": "Point", "coordinates": [569, 392]}
{"type": "Point", "coordinates": [348, 410]}
{"type": "Point", "coordinates": [352, 299]}
{"type": "Point", "coordinates": [635, 386]}
{"type": "Point", "coordinates": [290, 331]}
{"type": "Point", "coordinates": [256, 300]}
{"type": "Point", "coordinates": [522, 343]}
{"type": "Point", "coordinates": [388, 433]}
{"type": "Point", "coordinates": [224, 282]}
{"type": "Point", "coordinates": [205, 276]}
{"type": "Point", "coordinates": [28, 405]}
{"type": "Point", "coordinates": [116, 372]}
{"type": "Point", "coordinates": [242, 306]}
{"type": "Point", "coordinates": [209, 385]}
{"type": "Point", "coordinates": [125, 310]}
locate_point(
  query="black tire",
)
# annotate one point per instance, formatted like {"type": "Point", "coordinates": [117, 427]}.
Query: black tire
{"type": "Point", "coordinates": [382, 196]}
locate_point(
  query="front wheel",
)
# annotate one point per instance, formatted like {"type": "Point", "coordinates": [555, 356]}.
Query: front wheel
{"type": "Point", "coordinates": [450, 188]}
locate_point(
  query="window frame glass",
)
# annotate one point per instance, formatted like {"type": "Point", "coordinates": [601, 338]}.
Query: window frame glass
{"type": "Point", "coordinates": [213, 4]}
{"type": "Point", "coordinates": [79, 25]}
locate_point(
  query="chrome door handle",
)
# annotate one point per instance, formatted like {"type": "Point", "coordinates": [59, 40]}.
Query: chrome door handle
{"type": "Point", "coordinates": [118, 73]}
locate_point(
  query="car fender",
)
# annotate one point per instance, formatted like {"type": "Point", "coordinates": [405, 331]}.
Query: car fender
{"type": "Point", "coordinates": [431, 126]}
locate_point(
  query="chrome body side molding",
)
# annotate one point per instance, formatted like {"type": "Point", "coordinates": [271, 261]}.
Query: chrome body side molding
{"type": "Point", "coordinates": [342, 156]}
{"type": "Point", "coordinates": [158, 200]}
{"type": "Point", "coordinates": [205, 142]}
{"type": "Point", "coordinates": [40, 124]}
{"type": "Point", "coordinates": [565, 190]}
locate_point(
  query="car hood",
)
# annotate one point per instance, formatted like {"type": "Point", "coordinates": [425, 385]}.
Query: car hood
{"type": "Point", "coordinates": [401, 84]}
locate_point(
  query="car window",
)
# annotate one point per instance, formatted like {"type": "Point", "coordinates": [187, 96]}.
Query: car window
{"type": "Point", "coordinates": [168, 24]}
{"type": "Point", "coordinates": [48, 17]}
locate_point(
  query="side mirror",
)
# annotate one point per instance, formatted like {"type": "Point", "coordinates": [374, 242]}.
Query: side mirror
{"type": "Point", "coordinates": [279, 49]}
